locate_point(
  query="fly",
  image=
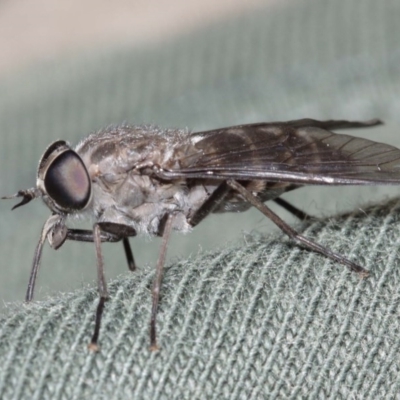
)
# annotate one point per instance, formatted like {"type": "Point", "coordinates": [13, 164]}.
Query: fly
{"type": "Point", "coordinates": [143, 179]}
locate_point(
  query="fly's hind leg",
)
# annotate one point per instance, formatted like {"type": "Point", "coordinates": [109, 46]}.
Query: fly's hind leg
{"type": "Point", "coordinates": [308, 243]}
{"type": "Point", "coordinates": [301, 215]}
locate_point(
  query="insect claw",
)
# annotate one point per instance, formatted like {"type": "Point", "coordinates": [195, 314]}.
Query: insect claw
{"type": "Point", "coordinates": [154, 347]}
{"type": "Point", "coordinates": [94, 347]}
{"type": "Point", "coordinates": [364, 274]}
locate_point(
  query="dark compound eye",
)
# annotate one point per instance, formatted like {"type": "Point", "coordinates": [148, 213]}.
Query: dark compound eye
{"type": "Point", "coordinates": [67, 181]}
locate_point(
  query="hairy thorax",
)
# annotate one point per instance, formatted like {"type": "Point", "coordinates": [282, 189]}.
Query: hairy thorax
{"type": "Point", "coordinates": [123, 193]}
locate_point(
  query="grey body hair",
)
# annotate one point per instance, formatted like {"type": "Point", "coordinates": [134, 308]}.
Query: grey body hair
{"type": "Point", "coordinates": [122, 194]}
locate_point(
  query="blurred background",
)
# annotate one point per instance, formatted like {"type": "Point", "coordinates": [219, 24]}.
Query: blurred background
{"type": "Point", "coordinates": [71, 68]}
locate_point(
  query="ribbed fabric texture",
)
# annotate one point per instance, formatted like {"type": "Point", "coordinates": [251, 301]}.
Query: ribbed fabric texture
{"type": "Point", "coordinates": [262, 320]}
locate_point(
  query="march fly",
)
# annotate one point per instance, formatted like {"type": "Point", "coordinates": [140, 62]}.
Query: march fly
{"type": "Point", "coordinates": [146, 180]}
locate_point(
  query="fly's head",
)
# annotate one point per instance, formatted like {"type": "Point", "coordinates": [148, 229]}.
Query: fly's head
{"type": "Point", "coordinates": [63, 181]}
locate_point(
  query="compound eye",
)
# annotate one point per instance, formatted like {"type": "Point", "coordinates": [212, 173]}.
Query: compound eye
{"type": "Point", "coordinates": [67, 181]}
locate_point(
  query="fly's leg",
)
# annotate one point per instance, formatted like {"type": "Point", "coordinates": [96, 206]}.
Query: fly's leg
{"type": "Point", "coordinates": [216, 198]}
{"type": "Point", "coordinates": [308, 243]}
{"type": "Point", "coordinates": [157, 282]}
{"type": "Point", "coordinates": [97, 236]}
{"type": "Point", "coordinates": [55, 231]}
{"type": "Point", "coordinates": [36, 263]}
{"type": "Point", "coordinates": [82, 235]}
{"type": "Point", "coordinates": [102, 288]}
{"type": "Point", "coordinates": [128, 254]}
{"type": "Point", "coordinates": [123, 231]}
{"type": "Point", "coordinates": [292, 209]}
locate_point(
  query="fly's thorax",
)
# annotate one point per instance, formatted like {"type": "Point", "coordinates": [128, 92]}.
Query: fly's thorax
{"type": "Point", "coordinates": [124, 148]}
{"type": "Point", "coordinates": [63, 179]}
{"type": "Point", "coordinates": [139, 201]}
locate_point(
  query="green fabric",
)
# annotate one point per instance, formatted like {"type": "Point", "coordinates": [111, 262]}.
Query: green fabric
{"type": "Point", "coordinates": [260, 319]}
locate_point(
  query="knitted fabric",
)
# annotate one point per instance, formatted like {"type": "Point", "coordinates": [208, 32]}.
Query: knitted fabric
{"type": "Point", "coordinates": [260, 319]}
{"type": "Point", "coordinates": [263, 320]}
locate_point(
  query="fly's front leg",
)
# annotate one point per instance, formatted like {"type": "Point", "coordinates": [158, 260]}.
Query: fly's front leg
{"type": "Point", "coordinates": [102, 232]}
{"type": "Point", "coordinates": [54, 230]}
{"type": "Point", "coordinates": [308, 243]}
{"type": "Point", "coordinates": [82, 235]}
{"type": "Point", "coordinates": [123, 232]}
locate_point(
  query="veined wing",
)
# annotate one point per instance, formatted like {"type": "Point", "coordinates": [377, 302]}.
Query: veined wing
{"type": "Point", "coordinates": [302, 151]}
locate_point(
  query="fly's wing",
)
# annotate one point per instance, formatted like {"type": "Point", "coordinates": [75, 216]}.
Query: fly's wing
{"type": "Point", "coordinates": [300, 152]}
